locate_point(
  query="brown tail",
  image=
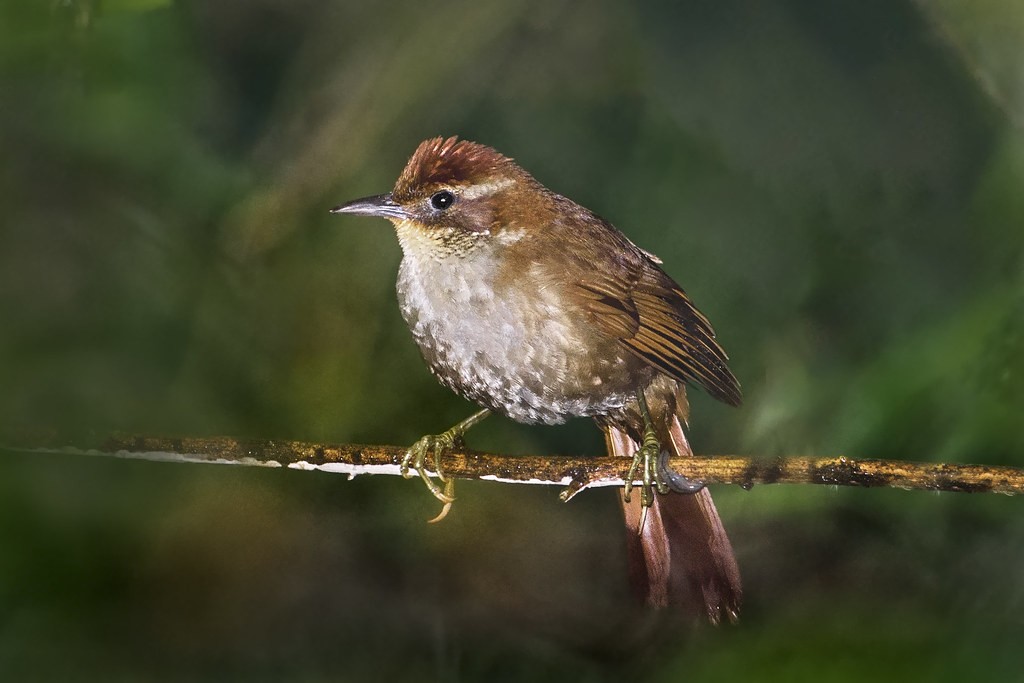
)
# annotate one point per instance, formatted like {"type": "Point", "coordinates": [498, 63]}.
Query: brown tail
{"type": "Point", "coordinates": [682, 556]}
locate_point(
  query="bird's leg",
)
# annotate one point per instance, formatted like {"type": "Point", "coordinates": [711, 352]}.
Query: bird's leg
{"type": "Point", "coordinates": [648, 454]}
{"type": "Point", "coordinates": [439, 444]}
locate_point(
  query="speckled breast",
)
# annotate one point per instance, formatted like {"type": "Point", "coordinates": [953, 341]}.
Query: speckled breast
{"type": "Point", "coordinates": [514, 348]}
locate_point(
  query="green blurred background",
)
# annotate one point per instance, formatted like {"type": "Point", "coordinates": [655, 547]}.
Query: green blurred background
{"type": "Point", "coordinates": [839, 185]}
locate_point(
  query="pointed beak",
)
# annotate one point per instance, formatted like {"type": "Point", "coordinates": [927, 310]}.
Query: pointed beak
{"type": "Point", "coordinates": [381, 205]}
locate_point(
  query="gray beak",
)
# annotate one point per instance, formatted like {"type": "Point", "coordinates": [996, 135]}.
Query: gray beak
{"type": "Point", "coordinates": [380, 205]}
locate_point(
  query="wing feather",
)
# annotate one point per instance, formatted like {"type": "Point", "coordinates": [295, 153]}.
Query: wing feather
{"type": "Point", "coordinates": [655, 319]}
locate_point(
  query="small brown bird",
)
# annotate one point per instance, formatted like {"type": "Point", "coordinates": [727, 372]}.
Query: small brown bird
{"type": "Point", "coordinates": [536, 308]}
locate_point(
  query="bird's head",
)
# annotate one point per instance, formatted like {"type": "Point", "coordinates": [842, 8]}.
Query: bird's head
{"type": "Point", "coordinates": [454, 195]}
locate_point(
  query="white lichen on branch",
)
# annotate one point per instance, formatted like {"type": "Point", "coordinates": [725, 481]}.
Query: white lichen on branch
{"type": "Point", "coordinates": [575, 473]}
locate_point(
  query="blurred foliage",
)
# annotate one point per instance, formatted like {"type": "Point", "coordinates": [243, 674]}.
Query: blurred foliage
{"type": "Point", "coordinates": [836, 184]}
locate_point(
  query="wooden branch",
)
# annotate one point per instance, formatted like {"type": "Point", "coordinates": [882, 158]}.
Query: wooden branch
{"type": "Point", "coordinates": [573, 472]}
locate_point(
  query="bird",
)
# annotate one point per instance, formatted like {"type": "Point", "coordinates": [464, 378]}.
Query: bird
{"type": "Point", "coordinates": [536, 308]}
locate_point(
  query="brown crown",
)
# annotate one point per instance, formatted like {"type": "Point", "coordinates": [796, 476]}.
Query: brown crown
{"type": "Point", "coordinates": [440, 161]}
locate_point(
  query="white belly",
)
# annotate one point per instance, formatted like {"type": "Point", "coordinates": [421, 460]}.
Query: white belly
{"type": "Point", "coordinates": [476, 344]}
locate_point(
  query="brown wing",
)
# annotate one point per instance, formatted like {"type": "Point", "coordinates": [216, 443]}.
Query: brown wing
{"type": "Point", "coordinates": [653, 318]}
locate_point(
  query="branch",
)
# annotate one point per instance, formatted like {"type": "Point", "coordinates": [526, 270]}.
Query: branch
{"type": "Point", "coordinates": [573, 472]}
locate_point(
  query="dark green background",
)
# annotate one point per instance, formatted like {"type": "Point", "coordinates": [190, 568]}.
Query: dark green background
{"type": "Point", "coordinates": [839, 185]}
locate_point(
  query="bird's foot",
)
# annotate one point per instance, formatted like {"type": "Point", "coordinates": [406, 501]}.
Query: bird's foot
{"type": "Point", "coordinates": [652, 474]}
{"type": "Point", "coordinates": [439, 444]}
{"type": "Point", "coordinates": [415, 460]}
{"type": "Point", "coordinates": [649, 456]}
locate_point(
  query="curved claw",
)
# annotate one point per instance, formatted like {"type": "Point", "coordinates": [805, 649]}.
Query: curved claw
{"type": "Point", "coordinates": [449, 490]}
{"type": "Point", "coordinates": [630, 477]}
{"type": "Point", "coordinates": [414, 459]}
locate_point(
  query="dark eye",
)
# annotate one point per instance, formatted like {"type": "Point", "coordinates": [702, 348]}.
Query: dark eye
{"type": "Point", "coordinates": [442, 200]}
